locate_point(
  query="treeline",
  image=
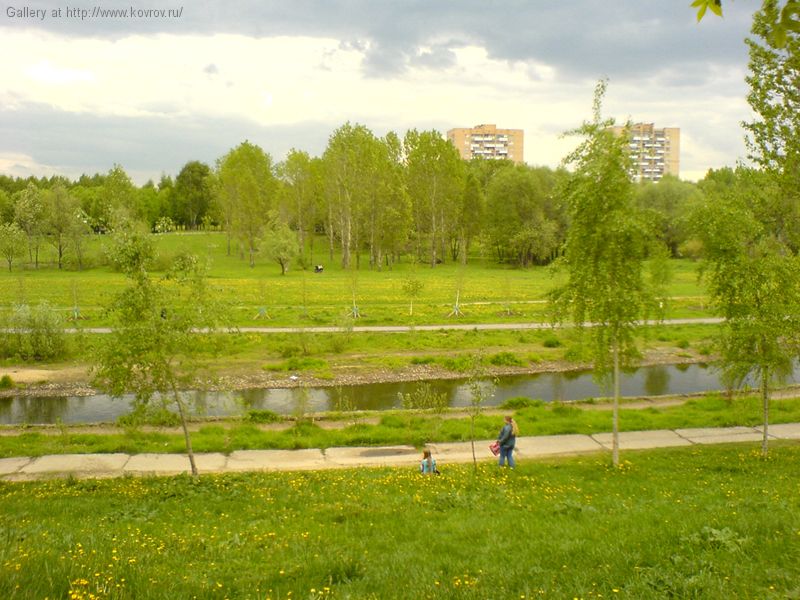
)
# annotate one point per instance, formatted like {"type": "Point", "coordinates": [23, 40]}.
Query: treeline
{"type": "Point", "coordinates": [373, 199]}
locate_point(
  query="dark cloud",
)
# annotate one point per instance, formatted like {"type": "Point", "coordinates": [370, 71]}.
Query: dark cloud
{"type": "Point", "coordinates": [84, 143]}
{"type": "Point", "coordinates": [437, 57]}
{"type": "Point", "coordinates": [618, 38]}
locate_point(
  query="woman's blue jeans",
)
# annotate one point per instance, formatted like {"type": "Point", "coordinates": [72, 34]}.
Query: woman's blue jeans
{"type": "Point", "coordinates": [507, 453]}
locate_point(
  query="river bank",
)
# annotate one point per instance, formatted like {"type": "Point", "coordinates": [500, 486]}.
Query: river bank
{"type": "Point", "coordinates": [75, 380]}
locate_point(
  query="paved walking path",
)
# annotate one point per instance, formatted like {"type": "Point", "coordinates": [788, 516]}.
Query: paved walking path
{"type": "Point", "coordinates": [408, 328]}
{"type": "Point", "coordinates": [117, 465]}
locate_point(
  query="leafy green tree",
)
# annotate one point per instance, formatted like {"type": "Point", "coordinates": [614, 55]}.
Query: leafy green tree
{"type": "Point", "coordinates": [470, 217]}
{"type": "Point", "coordinates": [754, 283]}
{"type": "Point", "coordinates": [12, 242]}
{"type": "Point", "coordinates": [412, 287]}
{"type": "Point", "coordinates": [605, 251]}
{"type": "Point", "coordinates": [352, 162]}
{"type": "Point", "coordinates": [435, 182]}
{"type": "Point", "coordinates": [149, 205]}
{"type": "Point", "coordinates": [519, 219]}
{"type": "Point", "coordinates": [28, 212]}
{"type": "Point", "coordinates": [669, 203]}
{"type": "Point", "coordinates": [386, 213]}
{"type": "Point", "coordinates": [480, 391]}
{"type": "Point", "coordinates": [63, 220]}
{"type": "Point", "coordinates": [303, 187]}
{"type": "Point", "coordinates": [192, 194]}
{"type": "Point", "coordinates": [149, 351]}
{"type": "Point", "coordinates": [773, 137]}
{"type": "Point", "coordinates": [6, 207]}
{"type": "Point", "coordinates": [280, 244]}
{"type": "Point", "coordinates": [246, 189]}
{"type": "Point", "coordinates": [117, 200]}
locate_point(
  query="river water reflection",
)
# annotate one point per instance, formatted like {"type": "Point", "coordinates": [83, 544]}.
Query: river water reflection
{"type": "Point", "coordinates": [570, 385]}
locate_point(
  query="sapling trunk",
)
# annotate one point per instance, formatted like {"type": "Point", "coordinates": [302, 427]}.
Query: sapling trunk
{"type": "Point", "coordinates": [765, 407]}
{"type": "Point", "coordinates": [615, 417]}
{"type": "Point", "coordinates": [185, 426]}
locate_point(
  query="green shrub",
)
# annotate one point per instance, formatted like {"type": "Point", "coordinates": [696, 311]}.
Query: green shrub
{"type": "Point", "coordinates": [144, 414]}
{"type": "Point", "coordinates": [303, 363]}
{"type": "Point", "coordinates": [682, 344]}
{"type": "Point", "coordinates": [551, 341]}
{"type": "Point", "coordinates": [6, 383]}
{"type": "Point", "coordinates": [424, 397]}
{"type": "Point", "coordinates": [506, 359]}
{"type": "Point", "coordinates": [422, 360]}
{"type": "Point", "coordinates": [520, 402]}
{"type": "Point", "coordinates": [36, 333]}
{"type": "Point", "coordinates": [262, 416]}
{"type": "Point", "coordinates": [458, 363]}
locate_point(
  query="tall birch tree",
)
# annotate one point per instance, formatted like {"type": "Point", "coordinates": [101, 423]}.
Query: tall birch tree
{"type": "Point", "coordinates": [605, 251]}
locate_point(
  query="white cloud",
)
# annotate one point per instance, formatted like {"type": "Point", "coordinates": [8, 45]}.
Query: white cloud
{"type": "Point", "coordinates": [46, 73]}
{"type": "Point", "coordinates": [23, 165]}
{"type": "Point", "coordinates": [291, 81]}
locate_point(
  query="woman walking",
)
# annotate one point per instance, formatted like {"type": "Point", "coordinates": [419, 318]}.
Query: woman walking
{"type": "Point", "coordinates": [507, 440]}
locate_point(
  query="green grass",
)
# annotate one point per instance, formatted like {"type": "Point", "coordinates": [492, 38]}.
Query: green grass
{"type": "Point", "coordinates": [403, 427]}
{"type": "Point", "coordinates": [304, 298]}
{"type": "Point", "coordinates": [700, 522]}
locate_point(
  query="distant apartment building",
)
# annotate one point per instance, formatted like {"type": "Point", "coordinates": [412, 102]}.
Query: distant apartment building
{"type": "Point", "coordinates": [487, 141]}
{"type": "Point", "coordinates": [655, 152]}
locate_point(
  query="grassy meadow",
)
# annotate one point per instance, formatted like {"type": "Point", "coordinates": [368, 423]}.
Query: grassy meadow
{"type": "Point", "coordinates": [261, 296]}
{"type": "Point", "coordinates": [700, 522]}
{"type": "Point", "coordinates": [487, 291]}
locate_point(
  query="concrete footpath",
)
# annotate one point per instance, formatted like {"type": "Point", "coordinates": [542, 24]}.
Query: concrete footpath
{"type": "Point", "coordinates": [117, 465]}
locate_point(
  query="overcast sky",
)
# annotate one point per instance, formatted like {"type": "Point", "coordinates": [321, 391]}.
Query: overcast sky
{"type": "Point", "coordinates": [151, 93]}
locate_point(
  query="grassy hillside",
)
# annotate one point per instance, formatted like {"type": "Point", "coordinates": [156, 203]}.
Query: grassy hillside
{"type": "Point", "coordinates": [700, 522]}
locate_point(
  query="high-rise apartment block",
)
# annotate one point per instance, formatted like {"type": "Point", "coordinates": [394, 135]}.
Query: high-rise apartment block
{"type": "Point", "coordinates": [487, 141]}
{"type": "Point", "coordinates": [655, 152]}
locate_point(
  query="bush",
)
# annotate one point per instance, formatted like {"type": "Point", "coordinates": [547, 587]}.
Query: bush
{"type": "Point", "coordinates": [6, 383]}
{"type": "Point", "coordinates": [461, 364]}
{"type": "Point", "coordinates": [262, 416]}
{"type": "Point", "coordinates": [520, 402]}
{"type": "Point", "coordinates": [145, 414]}
{"type": "Point", "coordinates": [297, 363]}
{"type": "Point", "coordinates": [506, 359]}
{"type": "Point", "coordinates": [36, 333]}
{"type": "Point", "coordinates": [422, 360]}
{"type": "Point", "coordinates": [290, 350]}
{"type": "Point", "coordinates": [424, 397]}
{"type": "Point", "coordinates": [551, 341]}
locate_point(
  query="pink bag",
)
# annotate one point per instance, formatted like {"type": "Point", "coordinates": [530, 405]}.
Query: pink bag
{"type": "Point", "coordinates": [495, 448]}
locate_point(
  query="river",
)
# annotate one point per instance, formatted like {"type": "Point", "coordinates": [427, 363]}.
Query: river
{"type": "Point", "coordinates": [569, 385]}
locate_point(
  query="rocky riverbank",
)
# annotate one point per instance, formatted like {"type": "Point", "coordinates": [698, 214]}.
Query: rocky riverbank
{"type": "Point", "coordinates": [75, 380]}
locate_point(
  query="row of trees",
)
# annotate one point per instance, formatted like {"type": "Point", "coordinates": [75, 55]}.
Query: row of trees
{"type": "Point", "coordinates": [372, 199]}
